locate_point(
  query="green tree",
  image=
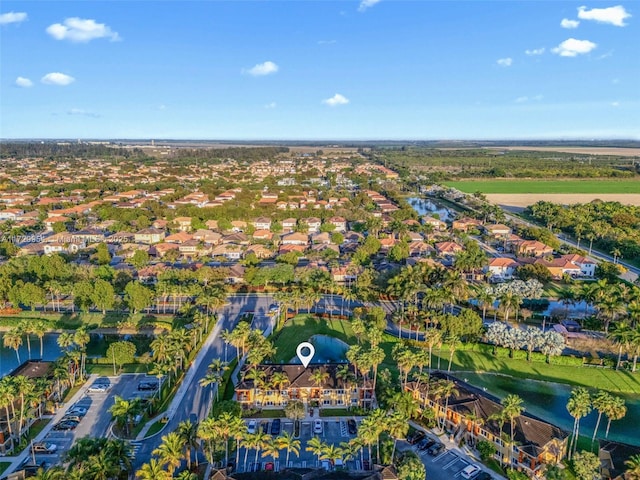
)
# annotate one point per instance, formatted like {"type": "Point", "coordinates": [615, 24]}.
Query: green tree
{"type": "Point", "coordinates": [137, 296]}
{"type": "Point", "coordinates": [102, 255]}
{"type": "Point", "coordinates": [578, 405]}
{"type": "Point", "coordinates": [120, 353]}
{"type": "Point", "coordinates": [586, 465]}
{"type": "Point", "coordinates": [125, 411]}
{"type": "Point", "coordinates": [411, 468]}
{"type": "Point", "coordinates": [103, 295]}
{"type": "Point", "coordinates": [170, 451]}
{"type": "Point", "coordinates": [139, 259]}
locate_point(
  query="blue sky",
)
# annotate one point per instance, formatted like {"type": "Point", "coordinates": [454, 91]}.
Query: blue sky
{"type": "Point", "coordinates": [367, 69]}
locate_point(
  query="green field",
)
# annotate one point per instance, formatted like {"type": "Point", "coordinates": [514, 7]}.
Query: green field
{"type": "Point", "coordinates": [548, 186]}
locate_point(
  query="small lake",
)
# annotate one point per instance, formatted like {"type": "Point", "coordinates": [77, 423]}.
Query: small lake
{"type": "Point", "coordinates": [548, 401]}
{"type": "Point", "coordinates": [8, 360]}
{"type": "Point", "coordinates": [327, 350]}
{"type": "Point", "coordinates": [427, 207]}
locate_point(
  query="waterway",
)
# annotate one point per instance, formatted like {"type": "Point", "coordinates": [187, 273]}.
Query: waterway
{"type": "Point", "coordinates": [327, 350]}
{"type": "Point", "coordinates": [428, 207]}
{"type": "Point", "coordinates": [9, 361]}
{"type": "Point", "coordinates": [548, 401]}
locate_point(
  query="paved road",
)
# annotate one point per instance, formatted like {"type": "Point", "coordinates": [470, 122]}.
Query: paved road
{"type": "Point", "coordinates": [198, 399]}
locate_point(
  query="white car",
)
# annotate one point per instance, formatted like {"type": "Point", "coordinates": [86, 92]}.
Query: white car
{"type": "Point", "coordinates": [317, 427]}
{"type": "Point", "coordinates": [470, 471]}
{"type": "Point", "coordinates": [43, 447]}
{"type": "Point", "coordinates": [99, 388]}
{"type": "Point", "coordinates": [252, 426]}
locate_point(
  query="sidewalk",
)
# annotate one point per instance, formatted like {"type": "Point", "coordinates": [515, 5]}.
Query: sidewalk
{"type": "Point", "coordinates": [62, 409]}
{"type": "Point", "coordinates": [186, 382]}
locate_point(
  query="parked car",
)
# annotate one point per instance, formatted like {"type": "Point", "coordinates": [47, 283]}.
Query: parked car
{"type": "Point", "coordinates": [427, 443]}
{"type": "Point", "coordinates": [252, 426]}
{"type": "Point", "coordinates": [99, 388]}
{"type": "Point", "coordinates": [415, 437]}
{"type": "Point", "coordinates": [352, 426]}
{"type": "Point", "coordinates": [483, 476]}
{"type": "Point", "coordinates": [470, 471]}
{"type": "Point", "coordinates": [71, 418]}
{"type": "Point", "coordinates": [265, 427]}
{"type": "Point", "coordinates": [147, 386]}
{"type": "Point", "coordinates": [436, 449]}
{"type": "Point", "coordinates": [268, 467]}
{"type": "Point", "coordinates": [65, 425]}
{"type": "Point", "coordinates": [273, 308]}
{"type": "Point", "coordinates": [44, 447]}
{"type": "Point", "coordinates": [193, 418]}
{"type": "Point", "coordinates": [317, 427]}
{"type": "Point", "coordinates": [79, 411]}
{"type": "Point", "coordinates": [275, 427]}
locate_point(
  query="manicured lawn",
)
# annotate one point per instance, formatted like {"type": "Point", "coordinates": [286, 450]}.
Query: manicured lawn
{"type": "Point", "coordinates": [155, 428]}
{"type": "Point", "coordinates": [335, 412]}
{"type": "Point", "coordinates": [72, 321]}
{"type": "Point", "coordinates": [301, 328]}
{"type": "Point", "coordinates": [107, 370]}
{"type": "Point", "coordinates": [606, 379]}
{"type": "Point", "coordinates": [548, 186]}
{"type": "Point", "coordinates": [4, 466]}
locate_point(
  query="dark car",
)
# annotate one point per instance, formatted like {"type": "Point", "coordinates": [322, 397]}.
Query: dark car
{"type": "Point", "coordinates": [483, 476]}
{"type": "Point", "coordinates": [193, 418]}
{"type": "Point", "coordinates": [66, 425]}
{"type": "Point", "coordinates": [415, 437]}
{"type": "Point", "coordinates": [352, 426]}
{"type": "Point", "coordinates": [436, 449]}
{"type": "Point", "coordinates": [265, 427]}
{"type": "Point", "coordinates": [147, 386]}
{"type": "Point", "coordinates": [426, 443]}
{"type": "Point", "coordinates": [275, 427]}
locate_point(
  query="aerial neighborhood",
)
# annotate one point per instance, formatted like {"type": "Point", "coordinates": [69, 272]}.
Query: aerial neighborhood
{"type": "Point", "coordinates": [451, 337]}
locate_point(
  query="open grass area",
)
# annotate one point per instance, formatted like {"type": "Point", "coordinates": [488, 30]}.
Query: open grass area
{"type": "Point", "coordinates": [4, 466]}
{"type": "Point", "coordinates": [107, 370]}
{"type": "Point", "coordinates": [606, 379]}
{"type": "Point", "coordinates": [72, 321]}
{"type": "Point", "coordinates": [548, 186]}
{"type": "Point", "coordinates": [155, 428]}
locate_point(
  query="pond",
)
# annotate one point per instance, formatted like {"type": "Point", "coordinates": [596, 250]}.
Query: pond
{"type": "Point", "coordinates": [327, 350]}
{"type": "Point", "coordinates": [548, 401]}
{"type": "Point", "coordinates": [427, 207]}
{"type": "Point", "coordinates": [9, 361]}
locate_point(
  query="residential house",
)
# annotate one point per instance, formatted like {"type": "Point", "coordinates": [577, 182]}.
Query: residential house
{"type": "Point", "coordinates": [447, 249]}
{"type": "Point", "coordinates": [262, 235]}
{"type": "Point", "coordinates": [161, 249]}
{"type": "Point", "coordinates": [387, 243]}
{"type": "Point", "coordinates": [321, 237]}
{"type": "Point", "coordinates": [51, 221]}
{"type": "Point", "coordinates": [262, 223]}
{"type": "Point", "coordinates": [238, 226]}
{"type": "Point", "coordinates": [313, 224]}
{"type": "Point", "coordinates": [211, 224]}
{"type": "Point", "coordinates": [236, 274]}
{"type": "Point", "coordinates": [193, 248]}
{"type": "Point", "coordinates": [587, 266]}
{"type": "Point", "coordinates": [419, 249]}
{"type": "Point", "coordinates": [237, 238]}
{"type": "Point", "coordinates": [502, 267]}
{"type": "Point", "coordinates": [12, 214]}
{"type": "Point", "coordinates": [471, 417]}
{"type": "Point", "coordinates": [179, 237]}
{"type": "Point", "coordinates": [149, 235]}
{"type": "Point", "coordinates": [183, 223]}
{"type": "Point", "coordinates": [334, 392]}
{"type": "Point", "coordinates": [259, 251]}
{"type": "Point", "coordinates": [339, 223]}
{"type": "Point", "coordinates": [437, 224]}
{"type": "Point", "coordinates": [497, 230]}
{"type": "Point", "coordinates": [294, 238]}
{"type": "Point", "coordinates": [465, 224]}
{"type": "Point", "coordinates": [558, 267]}
{"type": "Point", "coordinates": [532, 248]}
{"type": "Point", "coordinates": [208, 236]}
{"type": "Point", "coordinates": [289, 225]}
{"type": "Point", "coordinates": [231, 251]}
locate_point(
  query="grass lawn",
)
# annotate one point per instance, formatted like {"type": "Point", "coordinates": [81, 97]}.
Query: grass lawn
{"type": "Point", "coordinates": [72, 321]}
{"type": "Point", "coordinates": [548, 186]}
{"type": "Point", "coordinates": [4, 466]}
{"type": "Point", "coordinates": [155, 428]}
{"type": "Point", "coordinates": [606, 379]}
{"type": "Point", "coordinates": [335, 412]}
{"type": "Point", "coordinates": [107, 370]}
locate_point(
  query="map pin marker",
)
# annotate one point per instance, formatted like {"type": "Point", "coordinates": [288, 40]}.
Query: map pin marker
{"type": "Point", "coordinates": [305, 359]}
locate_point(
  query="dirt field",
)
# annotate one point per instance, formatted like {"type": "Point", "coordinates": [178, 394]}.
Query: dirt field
{"type": "Point", "coordinates": [617, 151]}
{"type": "Point", "coordinates": [517, 201]}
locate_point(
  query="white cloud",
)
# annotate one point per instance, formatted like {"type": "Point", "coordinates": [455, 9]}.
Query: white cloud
{"type": "Point", "coordinates": [336, 100]}
{"type": "Point", "coordinates": [12, 17]}
{"type": "Point", "coordinates": [504, 62]}
{"type": "Point", "coordinates": [271, 105]}
{"type": "Point", "coordinates": [364, 4]}
{"type": "Point", "coordinates": [261, 69]}
{"type": "Point", "coordinates": [327, 42]}
{"type": "Point", "coordinates": [535, 51]}
{"type": "Point", "coordinates": [525, 99]}
{"type": "Point", "coordinates": [611, 15]}
{"type": "Point", "coordinates": [23, 82]}
{"type": "Point", "coordinates": [57, 78]}
{"type": "Point", "coordinates": [81, 30]}
{"type": "Point", "coordinates": [615, 104]}
{"type": "Point", "coordinates": [572, 47]}
{"type": "Point", "coordinates": [566, 23]}
{"type": "Point", "coordinates": [81, 112]}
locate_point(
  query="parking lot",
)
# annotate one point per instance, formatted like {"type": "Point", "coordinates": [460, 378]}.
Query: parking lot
{"type": "Point", "coordinates": [334, 431]}
{"type": "Point", "coordinates": [96, 421]}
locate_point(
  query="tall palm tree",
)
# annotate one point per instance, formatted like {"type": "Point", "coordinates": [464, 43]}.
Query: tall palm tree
{"type": "Point", "coordinates": [261, 440]}
{"type": "Point", "coordinates": [170, 451]}
{"type": "Point", "coordinates": [81, 338]}
{"type": "Point", "coordinates": [615, 411]}
{"type": "Point", "coordinates": [622, 336]}
{"type": "Point", "coordinates": [271, 449]}
{"type": "Point", "coordinates": [290, 444]}
{"type": "Point", "coordinates": [316, 447]}
{"type": "Point", "coordinates": [485, 299]}
{"type": "Point", "coordinates": [50, 473]}
{"type": "Point", "coordinates": [397, 426]}
{"type": "Point", "coordinates": [578, 405]}
{"type": "Point", "coordinates": [23, 388]}
{"type": "Point", "coordinates": [13, 339]}
{"type": "Point", "coordinates": [7, 396]}
{"type": "Point", "coordinates": [154, 470]}
{"type": "Point", "coordinates": [331, 453]}
{"type": "Point", "coordinates": [600, 401]}
{"type": "Point", "coordinates": [447, 389]}
{"type": "Point", "coordinates": [39, 328]}
{"type": "Point", "coordinates": [124, 411]}
{"type": "Point", "coordinates": [512, 407]}
{"type": "Point", "coordinates": [188, 433]}
{"type": "Point", "coordinates": [632, 471]}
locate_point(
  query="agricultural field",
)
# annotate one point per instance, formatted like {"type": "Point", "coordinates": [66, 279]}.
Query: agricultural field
{"type": "Point", "coordinates": [541, 186]}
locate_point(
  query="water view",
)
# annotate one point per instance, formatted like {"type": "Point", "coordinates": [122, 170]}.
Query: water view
{"type": "Point", "coordinates": [427, 207]}
{"type": "Point", "coordinates": [9, 361]}
{"type": "Point", "coordinates": [328, 350]}
{"type": "Point", "coordinates": [549, 402]}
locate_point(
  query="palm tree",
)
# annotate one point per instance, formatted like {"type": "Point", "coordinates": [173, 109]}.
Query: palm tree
{"type": "Point", "coordinates": [512, 408]}
{"type": "Point", "coordinates": [615, 411]}
{"type": "Point", "coordinates": [154, 470]}
{"type": "Point", "coordinates": [485, 299]}
{"type": "Point", "coordinates": [397, 426]}
{"type": "Point", "coordinates": [81, 338]}
{"type": "Point", "coordinates": [170, 451]}
{"type": "Point", "coordinates": [579, 405]}
{"type": "Point", "coordinates": [13, 339]}
{"type": "Point", "coordinates": [24, 388]}
{"type": "Point", "coordinates": [447, 389]}
{"type": "Point", "coordinates": [261, 440]}
{"type": "Point", "coordinates": [188, 433]}
{"type": "Point", "coordinates": [39, 328]}
{"type": "Point", "coordinates": [633, 468]}
{"type": "Point", "coordinates": [291, 444]}
{"type": "Point", "coordinates": [610, 308]}
{"type": "Point", "coordinates": [271, 448]}
{"type": "Point", "coordinates": [331, 453]}
{"type": "Point", "coordinates": [316, 447]}
{"type": "Point", "coordinates": [7, 397]}
{"type": "Point", "coordinates": [124, 411]}
{"type": "Point", "coordinates": [50, 473]}
{"type": "Point", "coordinates": [600, 401]}
{"type": "Point", "coordinates": [621, 335]}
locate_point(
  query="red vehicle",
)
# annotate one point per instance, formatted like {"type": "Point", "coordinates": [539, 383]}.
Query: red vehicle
{"type": "Point", "coordinates": [268, 467]}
